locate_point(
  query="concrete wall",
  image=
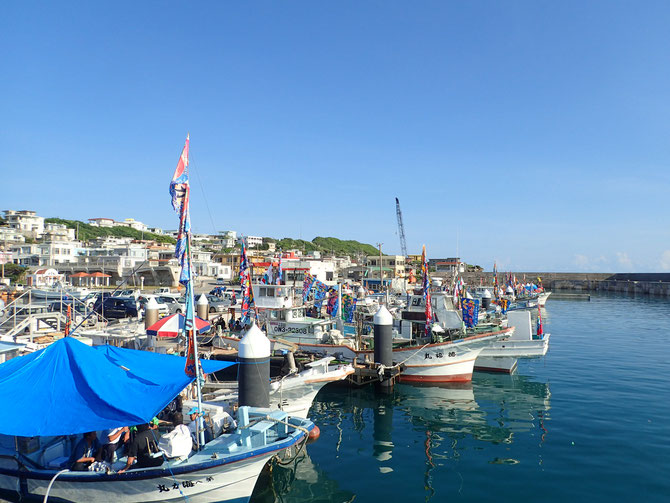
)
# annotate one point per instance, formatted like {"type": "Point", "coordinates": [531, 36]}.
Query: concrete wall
{"type": "Point", "coordinates": [642, 284]}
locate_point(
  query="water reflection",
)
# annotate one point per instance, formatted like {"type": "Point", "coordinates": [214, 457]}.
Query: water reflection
{"type": "Point", "coordinates": [301, 481]}
{"type": "Point", "coordinates": [432, 425]}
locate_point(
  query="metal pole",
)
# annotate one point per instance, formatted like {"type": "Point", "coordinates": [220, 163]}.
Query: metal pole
{"type": "Point", "coordinates": [200, 434]}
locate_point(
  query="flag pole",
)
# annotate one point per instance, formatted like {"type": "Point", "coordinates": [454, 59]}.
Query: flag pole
{"type": "Point", "coordinates": [200, 433]}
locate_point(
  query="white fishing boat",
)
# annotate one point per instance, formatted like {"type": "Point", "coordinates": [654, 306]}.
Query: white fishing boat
{"type": "Point", "coordinates": [70, 388]}
{"type": "Point", "coordinates": [502, 356]}
{"type": "Point", "coordinates": [104, 387]}
{"type": "Point", "coordinates": [292, 393]}
{"type": "Point", "coordinates": [60, 291]}
{"type": "Point", "coordinates": [446, 357]}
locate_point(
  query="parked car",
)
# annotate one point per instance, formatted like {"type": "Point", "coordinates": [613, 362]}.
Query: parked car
{"type": "Point", "coordinates": [165, 291]}
{"type": "Point", "coordinates": [163, 309]}
{"type": "Point", "coordinates": [62, 306]}
{"type": "Point", "coordinates": [127, 293]}
{"type": "Point", "coordinates": [117, 307]}
{"type": "Point", "coordinates": [173, 305]}
{"type": "Point", "coordinates": [217, 304]}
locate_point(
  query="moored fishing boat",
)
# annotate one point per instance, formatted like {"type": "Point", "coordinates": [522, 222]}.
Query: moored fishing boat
{"type": "Point", "coordinates": [70, 388]}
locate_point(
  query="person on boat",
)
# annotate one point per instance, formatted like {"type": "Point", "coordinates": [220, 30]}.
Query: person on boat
{"type": "Point", "coordinates": [86, 452]}
{"type": "Point", "coordinates": [194, 413]}
{"type": "Point", "coordinates": [116, 437]}
{"type": "Point", "coordinates": [169, 410]}
{"type": "Point", "coordinates": [142, 449]}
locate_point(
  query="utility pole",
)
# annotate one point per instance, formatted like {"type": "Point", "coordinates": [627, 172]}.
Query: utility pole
{"type": "Point", "coordinates": [381, 274]}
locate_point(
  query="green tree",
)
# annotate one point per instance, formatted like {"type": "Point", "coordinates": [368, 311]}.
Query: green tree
{"type": "Point", "coordinates": [17, 273]}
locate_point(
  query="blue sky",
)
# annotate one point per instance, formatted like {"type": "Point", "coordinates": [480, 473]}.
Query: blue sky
{"type": "Point", "coordinates": [533, 133]}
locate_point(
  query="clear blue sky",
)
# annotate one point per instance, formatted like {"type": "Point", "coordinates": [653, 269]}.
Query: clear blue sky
{"type": "Point", "coordinates": [533, 133]}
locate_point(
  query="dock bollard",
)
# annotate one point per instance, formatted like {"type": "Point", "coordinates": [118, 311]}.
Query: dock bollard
{"type": "Point", "coordinates": [150, 313]}
{"type": "Point", "coordinates": [383, 322]}
{"type": "Point", "coordinates": [486, 299]}
{"type": "Point", "coordinates": [202, 307]}
{"type": "Point", "coordinates": [254, 372]}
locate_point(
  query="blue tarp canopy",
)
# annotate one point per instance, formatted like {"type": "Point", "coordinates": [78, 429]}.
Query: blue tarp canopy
{"type": "Point", "coordinates": [70, 388]}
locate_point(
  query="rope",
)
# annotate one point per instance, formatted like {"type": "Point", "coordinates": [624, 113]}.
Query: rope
{"type": "Point", "coordinates": [169, 467]}
{"type": "Point", "coordinates": [46, 495]}
{"type": "Point", "coordinates": [410, 356]}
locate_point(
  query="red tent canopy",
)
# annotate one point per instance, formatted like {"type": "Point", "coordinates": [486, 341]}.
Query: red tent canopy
{"type": "Point", "coordinates": [170, 326]}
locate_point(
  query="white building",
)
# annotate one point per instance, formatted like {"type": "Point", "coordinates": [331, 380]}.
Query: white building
{"type": "Point", "coordinates": [57, 232]}
{"type": "Point", "coordinates": [44, 277]}
{"type": "Point", "coordinates": [102, 222]}
{"type": "Point", "coordinates": [134, 224]}
{"type": "Point", "coordinates": [10, 236]}
{"type": "Point", "coordinates": [26, 222]}
{"type": "Point", "coordinates": [295, 269]}
{"type": "Point", "coordinates": [254, 241]}
{"type": "Point", "coordinates": [49, 254]}
{"type": "Point", "coordinates": [393, 266]}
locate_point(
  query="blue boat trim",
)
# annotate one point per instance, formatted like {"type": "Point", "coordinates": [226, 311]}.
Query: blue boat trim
{"type": "Point", "coordinates": [156, 473]}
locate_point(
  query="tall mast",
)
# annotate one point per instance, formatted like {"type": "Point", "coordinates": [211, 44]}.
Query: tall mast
{"type": "Point", "coordinates": [200, 431]}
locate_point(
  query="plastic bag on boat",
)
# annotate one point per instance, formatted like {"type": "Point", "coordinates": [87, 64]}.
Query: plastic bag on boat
{"type": "Point", "coordinates": [100, 466]}
{"type": "Point", "coordinates": [177, 443]}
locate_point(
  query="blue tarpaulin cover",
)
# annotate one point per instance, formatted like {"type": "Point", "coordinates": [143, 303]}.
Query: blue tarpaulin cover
{"type": "Point", "coordinates": [70, 388]}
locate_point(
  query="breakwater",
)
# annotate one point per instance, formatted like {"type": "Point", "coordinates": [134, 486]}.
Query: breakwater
{"type": "Point", "coordinates": [653, 284]}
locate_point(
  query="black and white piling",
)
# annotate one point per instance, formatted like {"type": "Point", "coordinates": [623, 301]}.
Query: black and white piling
{"type": "Point", "coordinates": [202, 307]}
{"type": "Point", "coordinates": [254, 372]}
{"type": "Point", "coordinates": [383, 322]}
{"type": "Point", "coordinates": [486, 299]}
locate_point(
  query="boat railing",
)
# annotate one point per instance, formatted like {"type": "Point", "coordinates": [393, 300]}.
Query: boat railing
{"type": "Point", "coordinates": [25, 309]}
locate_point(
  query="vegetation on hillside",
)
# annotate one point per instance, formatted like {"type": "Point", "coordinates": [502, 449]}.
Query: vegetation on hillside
{"type": "Point", "coordinates": [328, 246]}
{"type": "Point", "coordinates": [87, 232]}
{"type": "Point", "coordinates": [17, 273]}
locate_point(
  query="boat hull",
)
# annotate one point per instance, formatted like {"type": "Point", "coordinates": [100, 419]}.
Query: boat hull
{"type": "Point", "coordinates": [234, 483]}
{"type": "Point", "coordinates": [223, 472]}
{"type": "Point", "coordinates": [451, 361]}
{"type": "Point", "coordinates": [504, 365]}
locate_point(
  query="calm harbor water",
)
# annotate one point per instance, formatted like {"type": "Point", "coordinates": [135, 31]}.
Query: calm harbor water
{"type": "Point", "coordinates": [587, 422]}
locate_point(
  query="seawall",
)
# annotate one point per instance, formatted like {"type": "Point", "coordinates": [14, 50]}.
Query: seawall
{"type": "Point", "coordinates": [655, 284]}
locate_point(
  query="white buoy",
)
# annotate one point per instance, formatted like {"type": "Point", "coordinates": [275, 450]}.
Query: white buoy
{"type": "Point", "coordinates": [202, 307]}
{"type": "Point", "coordinates": [254, 372]}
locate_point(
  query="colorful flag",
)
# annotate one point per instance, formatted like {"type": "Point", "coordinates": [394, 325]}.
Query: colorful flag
{"type": "Point", "coordinates": [470, 312]}
{"type": "Point", "coordinates": [247, 289]}
{"type": "Point", "coordinates": [426, 291]}
{"type": "Point", "coordinates": [180, 191]}
{"type": "Point", "coordinates": [332, 305]}
{"type": "Point", "coordinates": [280, 271]}
{"type": "Point", "coordinates": [179, 185]}
{"type": "Point", "coordinates": [189, 368]}
{"type": "Point", "coordinates": [68, 320]}
{"type": "Point", "coordinates": [504, 305]}
{"type": "Point", "coordinates": [270, 275]}
{"type": "Point", "coordinates": [307, 286]}
{"type": "Point", "coordinates": [320, 290]}
{"type": "Point", "coordinates": [540, 330]}
{"type": "Point", "coordinates": [348, 308]}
